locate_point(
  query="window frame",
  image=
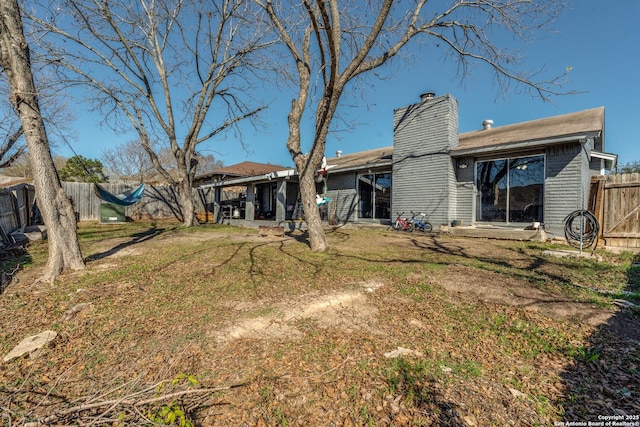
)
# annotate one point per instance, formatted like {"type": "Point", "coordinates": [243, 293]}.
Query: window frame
{"type": "Point", "coordinates": [374, 207]}
{"type": "Point", "coordinates": [507, 160]}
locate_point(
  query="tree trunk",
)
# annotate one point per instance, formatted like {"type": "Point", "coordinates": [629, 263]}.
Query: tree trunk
{"type": "Point", "coordinates": [317, 238]}
{"type": "Point", "coordinates": [56, 209]}
{"type": "Point", "coordinates": [187, 206]}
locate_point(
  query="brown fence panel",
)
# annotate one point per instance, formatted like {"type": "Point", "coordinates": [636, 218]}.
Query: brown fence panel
{"type": "Point", "coordinates": [619, 215]}
{"type": "Point", "coordinates": [15, 207]}
{"type": "Point", "coordinates": [8, 218]}
{"type": "Point", "coordinates": [159, 201]}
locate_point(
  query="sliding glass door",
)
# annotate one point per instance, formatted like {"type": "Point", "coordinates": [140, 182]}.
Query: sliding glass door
{"type": "Point", "coordinates": [374, 196]}
{"type": "Point", "coordinates": [510, 190]}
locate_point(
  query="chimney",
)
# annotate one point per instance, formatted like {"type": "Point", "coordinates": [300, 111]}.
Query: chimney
{"type": "Point", "coordinates": [338, 153]}
{"type": "Point", "coordinates": [427, 96]}
{"type": "Point", "coordinates": [487, 124]}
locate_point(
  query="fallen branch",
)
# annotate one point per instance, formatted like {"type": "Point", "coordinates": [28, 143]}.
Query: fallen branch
{"type": "Point", "coordinates": [184, 393]}
{"type": "Point", "coordinates": [126, 401]}
{"type": "Point", "coordinates": [607, 291]}
{"type": "Point", "coordinates": [626, 304]}
{"type": "Point", "coordinates": [7, 278]}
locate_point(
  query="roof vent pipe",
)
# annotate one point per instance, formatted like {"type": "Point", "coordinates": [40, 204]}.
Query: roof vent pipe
{"type": "Point", "coordinates": [427, 96]}
{"type": "Point", "coordinates": [338, 153]}
{"type": "Point", "coordinates": [487, 124]}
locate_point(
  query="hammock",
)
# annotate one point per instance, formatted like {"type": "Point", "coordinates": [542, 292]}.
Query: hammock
{"type": "Point", "coordinates": [125, 199]}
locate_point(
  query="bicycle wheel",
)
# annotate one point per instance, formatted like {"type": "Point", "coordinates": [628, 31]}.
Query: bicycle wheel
{"type": "Point", "coordinates": [412, 227]}
{"type": "Point", "coordinates": [427, 227]}
{"type": "Point", "coordinates": [396, 226]}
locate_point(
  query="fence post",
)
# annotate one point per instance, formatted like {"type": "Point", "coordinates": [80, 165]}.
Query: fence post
{"type": "Point", "coordinates": [596, 205]}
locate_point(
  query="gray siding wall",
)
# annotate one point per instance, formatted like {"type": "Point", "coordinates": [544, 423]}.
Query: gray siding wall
{"type": "Point", "coordinates": [342, 192]}
{"type": "Point", "coordinates": [566, 185]}
{"type": "Point", "coordinates": [465, 192]}
{"type": "Point", "coordinates": [423, 173]}
{"type": "Point", "coordinates": [595, 166]}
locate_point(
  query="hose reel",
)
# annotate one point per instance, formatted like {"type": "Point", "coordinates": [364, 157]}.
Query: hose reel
{"type": "Point", "coordinates": [581, 229]}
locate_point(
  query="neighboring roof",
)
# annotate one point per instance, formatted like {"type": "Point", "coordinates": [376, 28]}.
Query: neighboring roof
{"type": "Point", "coordinates": [244, 169]}
{"type": "Point", "coordinates": [565, 127]}
{"type": "Point", "coordinates": [10, 181]}
{"type": "Point", "coordinates": [369, 158]}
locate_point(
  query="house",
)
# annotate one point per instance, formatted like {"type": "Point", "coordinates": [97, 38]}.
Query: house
{"type": "Point", "coordinates": [242, 169]}
{"type": "Point", "coordinates": [231, 201]}
{"type": "Point", "coordinates": [508, 176]}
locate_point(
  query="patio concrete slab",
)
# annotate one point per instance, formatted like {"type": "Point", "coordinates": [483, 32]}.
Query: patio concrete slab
{"type": "Point", "coordinates": [497, 233]}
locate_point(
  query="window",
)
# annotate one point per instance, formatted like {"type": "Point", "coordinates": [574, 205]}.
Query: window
{"type": "Point", "coordinates": [374, 191]}
{"type": "Point", "coordinates": [510, 190]}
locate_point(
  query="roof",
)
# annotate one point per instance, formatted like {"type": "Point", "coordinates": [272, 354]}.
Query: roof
{"type": "Point", "coordinates": [587, 123]}
{"type": "Point", "coordinates": [369, 158]}
{"type": "Point", "coordinates": [565, 127]}
{"type": "Point", "coordinates": [533, 133]}
{"type": "Point", "coordinates": [244, 169]}
{"type": "Point", "coordinates": [10, 181]}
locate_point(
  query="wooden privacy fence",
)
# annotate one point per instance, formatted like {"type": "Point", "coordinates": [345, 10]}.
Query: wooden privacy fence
{"type": "Point", "coordinates": [15, 208]}
{"type": "Point", "coordinates": [615, 202]}
{"type": "Point", "coordinates": [159, 201]}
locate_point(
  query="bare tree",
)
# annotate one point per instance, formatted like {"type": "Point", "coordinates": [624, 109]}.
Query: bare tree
{"type": "Point", "coordinates": [21, 167]}
{"type": "Point", "coordinates": [10, 148]}
{"type": "Point", "coordinates": [332, 42]}
{"type": "Point", "coordinates": [56, 208]}
{"type": "Point", "coordinates": [175, 71]}
{"type": "Point", "coordinates": [129, 162]}
{"type": "Point", "coordinates": [208, 163]}
{"type": "Point", "coordinates": [12, 143]}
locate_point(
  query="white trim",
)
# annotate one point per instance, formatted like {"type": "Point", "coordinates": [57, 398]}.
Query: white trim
{"type": "Point", "coordinates": [606, 157]}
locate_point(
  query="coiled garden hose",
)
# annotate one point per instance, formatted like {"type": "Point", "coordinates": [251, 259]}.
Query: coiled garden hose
{"type": "Point", "coordinates": [581, 227]}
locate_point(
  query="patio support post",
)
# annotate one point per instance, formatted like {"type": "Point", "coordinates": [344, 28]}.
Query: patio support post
{"type": "Point", "coordinates": [217, 191]}
{"type": "Point", "coordinates": [250, 208]}
{"type": "Point", "coordinates": [281, 200]}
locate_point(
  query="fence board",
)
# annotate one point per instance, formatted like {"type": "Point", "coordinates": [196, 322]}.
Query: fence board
{"type": "Point", "coordinates": [15, 207]}
{"type": "Point", "coordinates": [159, 202]}
{"type": "Point", "coordinates": [619, 214]}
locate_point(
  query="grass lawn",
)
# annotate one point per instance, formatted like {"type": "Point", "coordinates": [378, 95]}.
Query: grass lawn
{"type": "Point", "coordinates": [218, 326]}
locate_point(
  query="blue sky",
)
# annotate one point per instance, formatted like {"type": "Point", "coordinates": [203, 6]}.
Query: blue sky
{"type": "Point", "coordinates": [600, 42]}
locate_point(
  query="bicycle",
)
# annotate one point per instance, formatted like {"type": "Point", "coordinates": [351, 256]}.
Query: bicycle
{"type": "Point", "coordinates": [419, 223]}
{"type": "Point", "coordinates": [402, 224]}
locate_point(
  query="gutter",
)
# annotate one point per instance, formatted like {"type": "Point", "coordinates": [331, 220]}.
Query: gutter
{"type": "Point", "coordinates": [360, 167]}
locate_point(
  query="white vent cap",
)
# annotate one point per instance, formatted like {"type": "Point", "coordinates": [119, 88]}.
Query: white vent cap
{"type": "Point", "coordinates": [487, 124]}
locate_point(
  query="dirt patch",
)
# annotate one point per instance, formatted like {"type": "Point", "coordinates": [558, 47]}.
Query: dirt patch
{"type": "Point", "coordinates": [494, 289]}
{"type": "Point", "coordinates": [348, 310]}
